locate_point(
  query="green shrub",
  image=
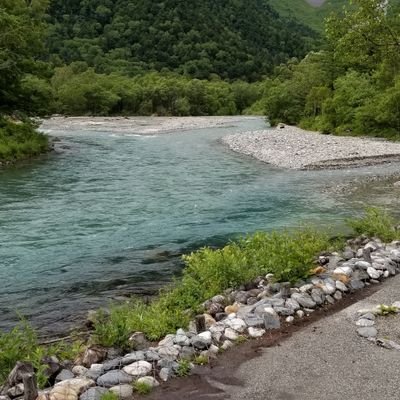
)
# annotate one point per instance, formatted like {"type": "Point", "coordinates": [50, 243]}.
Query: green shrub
{"type": "Point", "coordinates": [142, 387]}
{"type": "Point", "coordinates": [375, 223]}
{"type": "Point", "coordinates": [21, 344]}
{"type": "Point", "coordinates": [201, 360]}
{"type": "Point", "coordinates": [20, 140]}
{"type": "Point", "coordinates": [109, 396]}
{"type": "Point", "coordinates": [183, 368]}
{"type": "Point", "coordinates": [209, 272]}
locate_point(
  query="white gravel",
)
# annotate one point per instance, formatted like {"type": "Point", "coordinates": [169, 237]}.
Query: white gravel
{"type": "Point", "coordinates": [138, 125]}
{"type": "Point", "coordinates": [295, 148]}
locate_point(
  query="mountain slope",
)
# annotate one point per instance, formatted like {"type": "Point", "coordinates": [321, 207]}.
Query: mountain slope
{"type": "Point", "coordinates": [230, 38]}
{"type": "Point", "coordinates": [309, 12]}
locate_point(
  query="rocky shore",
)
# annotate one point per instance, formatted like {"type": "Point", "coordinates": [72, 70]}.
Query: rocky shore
{"type": "Point", "coordinates": [138, 125]}
{"type": "Point", "coordinates": [251, 311]}
{"type": "Point", "coordinates": [291, 147]}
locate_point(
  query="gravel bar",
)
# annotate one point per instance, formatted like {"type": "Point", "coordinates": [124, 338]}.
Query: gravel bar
{"type": "Point", "coordinates": [295, 148]}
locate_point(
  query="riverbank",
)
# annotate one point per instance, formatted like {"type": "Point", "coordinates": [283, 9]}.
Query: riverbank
{"type": "Point", "coordinates": [233, 303]}
{"type": "Point", "coordinates": [294, 148]}
{"type": "Point", "coordinates": [140, 125]}
{"type": "Point", "coordinates": [20, 141]}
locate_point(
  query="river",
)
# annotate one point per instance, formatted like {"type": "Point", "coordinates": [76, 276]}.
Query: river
{"type": "Point", "coordinates": [110, 213]}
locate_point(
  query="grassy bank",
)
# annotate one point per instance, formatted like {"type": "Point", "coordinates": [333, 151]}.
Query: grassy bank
{"type": "Point", "coordinates": [20, 140]}
{"type": "Point", "coordinates": [289, 256]}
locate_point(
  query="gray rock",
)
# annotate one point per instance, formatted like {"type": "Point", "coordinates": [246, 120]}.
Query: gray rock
{"type": "Point", "coordinates": [329, 299]}
{"type": "Point", "coordinates": [94, 393]}
{"type": "Point", "coordinates": [254, 321]}
{"type": "Point", "coordinates": [124, 392]}
{"type": "Point", "coordinates": [293, 304]}
{"type": "Point", "coordinates": [388, 344]}
{"type": "Point", "coordinates": [256, 332]}
{"type": "Point", "coordinates": [16, 390]}
{"type": "Point", "coordinates": [167, 364]}
{"type": "Point", "coordinates": [348, 253]}
{"type": "Point", "coordinates": [289, 319]}
{"type": "Point", "coordinates": [343, 270]}
{"type": "Point", "coordinates": [241, 297]}
{"type": "Point", "coordinates": [271, 319]}
{"type": "Point", "coordinates": [363, 264]}
{"type": "Point", "coordinates": [113, 378]}
{"type": "Point", "coordinates": [307, 287]}
{"type": "Point", "coordinates": [202, 341]}
{"type": "Point", "coordinates": [167, 341]}
{"type": "Point", "coordinates": [236, 324]}
{"type": "Point", "coordinates": [170, 352]}
{"type": "Point", "coordinates": [365, 322]}
{"type": "Point", "coordinates": [367, 332]}
{"type": "Point", "coordinates": [338, 295]}
{"type": "Point", "coordinates": [284, 311]}
{"type": "Point", "coordinates": [373, 273]}
{"type": "Point", "coordinates": [328, 287]}
{"type": "Point", "coordinates": [112, 364]}
{"type": "Point", "coordinates": [230, 334]}
{"type": "Point", "coordinates": [369, 316]}
{"type": "Point", "coordinates": [133, 357]}
{"type": "Point", "coordinates": [304, 300]}
{"type": "Point", "coordinates": [151, 355]}
{"type": "Point", "coordinates": [64, 375]}
{"type": "Point", "coordinates": [300, 313]}
{"type": "Point", "coordinates": [95, 371]}
{"type": "Point", "coordinates": [220, 316]}
{"type": "Point", "coordinates": [138, 368]}
{"type": "Point", "coordinates": [181, 339]}
{"type": "Point", "coordinates": [149, 381]}
{"type": "Point", "coordinates": [341, 286]}
{"type": "Point", "coordinates": [356, 284]}
{"type": "Point", "coordinates": [166, 374]}
{"type": "Point", "coordinates": [317, 295]}
{"type": "Point", "coordinates": [252, 300]}
{"type": "Point", "coordinates": [226, 345]}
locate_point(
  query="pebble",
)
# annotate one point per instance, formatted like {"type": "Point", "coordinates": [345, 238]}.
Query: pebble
{"type": "Point", "coordinates": [341, 286]}
{"type": "Point", "coordinates": [230, 334]}
{"type": "Point", "coordinates": [256, 332]}
{"type": "Point", "coordinates": [367, 332]}
{"type": "Point", "coordinates": [290, 319]}
{"type": "Point", "coordinates": [338, 295]}
{"type": "Point", "coordinates": [365, 322]}
{"type": "Point", "coordinates": [300, 313]}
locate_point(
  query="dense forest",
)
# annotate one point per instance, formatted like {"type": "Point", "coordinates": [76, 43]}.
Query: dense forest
{"type": "Point", "coordinates": [352, 85]}
{"type": "Point", "coordinates": [233, 39]}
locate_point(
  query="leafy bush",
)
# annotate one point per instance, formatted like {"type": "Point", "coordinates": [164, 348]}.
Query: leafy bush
{"type": "Point", "coordinates": [375, 223]}
{"type": "Point", "coordinates": [209, 272]}
{"type": "Point", "coordinates": [20, 140]}
{"type": "Point", "coordinates": [183, 368]}
{"type": "Point", "coordinates": [142, 387]}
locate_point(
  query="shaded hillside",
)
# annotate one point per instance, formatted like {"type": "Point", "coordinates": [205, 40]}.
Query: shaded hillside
{"type": "Point", "coordinates": [231, 38]}
{"type": "Point", "coordinates": [309, 12]}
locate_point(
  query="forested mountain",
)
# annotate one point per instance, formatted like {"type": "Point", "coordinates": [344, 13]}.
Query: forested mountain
{"type": "Point", "coordinates": [234, 39]}
{"type": "Point", "coordinates": [309, 12]}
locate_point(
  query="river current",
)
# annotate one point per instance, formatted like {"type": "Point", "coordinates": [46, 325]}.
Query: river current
{"type": "Point", "coordinates": [110, 214]}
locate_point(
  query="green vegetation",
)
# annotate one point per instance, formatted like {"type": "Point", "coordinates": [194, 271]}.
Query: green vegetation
{"type": "Point", "coordinates": [385, 310]}
{"type": "Point", "coordinates": [375, 223]}
{"type": "Point", "coordinates": [233, 39]}
{"type": "Point", "coordinates": [209, 272]}
{"type": "Point", "coordinates": [109, 396]}
{"type": "Point", "coordinates": [201, 360]}
{"type": "Point", "coordinates": [350, 87]}
{"type": "Point", "coordinates": [306, 13]}
{"type": "Point", "coordinates": [19, 140]}
{"type": "Point", "coordinates": [184, 368]}
{"type": "Point", "coordinates": [142, 387]}
{"type": "Point", "coordinates": [21, 344]}
{"type": "Point", "coordinates": [80, 90]}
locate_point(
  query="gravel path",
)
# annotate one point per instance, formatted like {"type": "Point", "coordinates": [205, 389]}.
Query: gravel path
{"type": "Point", "coordinates": [292, 147]}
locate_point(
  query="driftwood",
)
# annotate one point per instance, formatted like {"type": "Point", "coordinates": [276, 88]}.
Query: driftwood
{"type": "Point", "coordinates": [30, 386]}
{"type": "Point", "coordinates": [23, 372]}
{"type": "Point", "coordinates": [200, 323]}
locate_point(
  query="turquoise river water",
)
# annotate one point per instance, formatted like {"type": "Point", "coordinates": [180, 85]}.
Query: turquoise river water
{"type": "Point", "coordinates": [110, 215]}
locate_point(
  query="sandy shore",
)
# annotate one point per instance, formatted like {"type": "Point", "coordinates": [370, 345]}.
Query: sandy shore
{"type": "Point", "coordinates": [294, 148]}
{"type": "Point", "coordinates": [138, 125]}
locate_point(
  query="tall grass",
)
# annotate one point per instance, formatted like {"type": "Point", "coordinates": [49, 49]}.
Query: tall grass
{"type": "Point", "coordinates": [208, 272]}
{"type": "Point", "coordinates": [20, 140]}
{"type": "Point", "coordinates": [375, 223]}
